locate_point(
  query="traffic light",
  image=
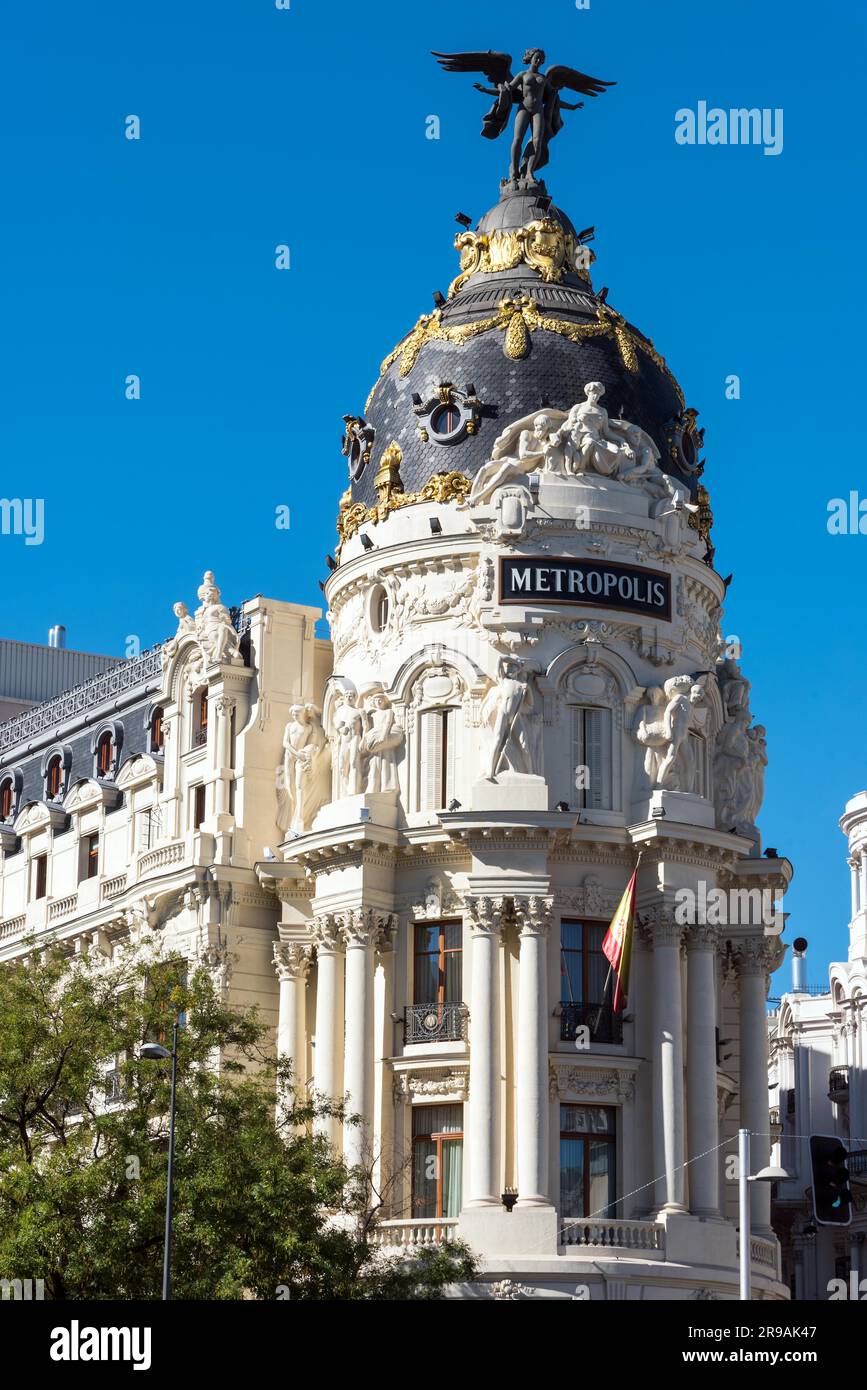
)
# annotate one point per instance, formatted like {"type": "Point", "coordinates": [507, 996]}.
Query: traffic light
{"type": "Point", "coordinates": [832, 1200]}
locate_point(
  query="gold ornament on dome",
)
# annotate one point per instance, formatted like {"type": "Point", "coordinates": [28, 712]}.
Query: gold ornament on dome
{"type": "Point", "coordinates": [545, 246]}
{"type": "Point", "coordinates": [518, 317]}
{"type": "Point", "coordinates": [442, 487]}
{"type": "Point", "coordinates": [702, 520]}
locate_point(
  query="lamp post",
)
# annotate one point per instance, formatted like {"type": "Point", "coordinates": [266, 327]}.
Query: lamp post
{"type": "Point", "coordinates": [770, 1174]}
{"type": "Point", "coordinates": [155, 1052]}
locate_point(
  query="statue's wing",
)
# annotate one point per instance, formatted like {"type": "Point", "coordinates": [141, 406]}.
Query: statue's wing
{"type": "Point", "coordinates": [497, 67]}
{"type": "Point", "coordinates": [577, 81]}
{"type": "Point", "coordinates": [506, 444]}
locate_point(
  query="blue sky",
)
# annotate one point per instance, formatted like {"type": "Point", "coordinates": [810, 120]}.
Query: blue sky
{"type": "Point", "coordinates": [306, 127]}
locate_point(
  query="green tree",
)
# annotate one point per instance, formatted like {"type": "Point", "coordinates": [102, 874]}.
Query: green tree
{"type": "Point", "coordinates": [263, 1208]}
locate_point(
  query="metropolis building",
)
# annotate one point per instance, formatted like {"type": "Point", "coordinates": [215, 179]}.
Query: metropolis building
{"type": "Point", "coordinates": [405, 844]}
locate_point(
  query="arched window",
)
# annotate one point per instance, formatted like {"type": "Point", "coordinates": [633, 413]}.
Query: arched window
{"type": "Point", "coordinates": [7, 798]}
{"type": "Point", "coordinates": [54, 778]}
{"type": "Point", "coordinates": [200, 718]}
{"type": "Point", "coordinates": [157, 739]}
{"type": "Point", "coordinates": [104, 754]}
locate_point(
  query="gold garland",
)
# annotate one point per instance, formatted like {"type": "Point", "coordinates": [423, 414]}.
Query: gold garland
{"type": "Point", "coordinates": [442, 487]}
{"type": "Point", "coordinates": [517, 317]}
{"type": "Point", "coordinates": [544, 245]}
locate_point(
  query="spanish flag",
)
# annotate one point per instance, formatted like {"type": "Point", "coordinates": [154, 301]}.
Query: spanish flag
{"type": "Point", "coordinates": [617, 944]}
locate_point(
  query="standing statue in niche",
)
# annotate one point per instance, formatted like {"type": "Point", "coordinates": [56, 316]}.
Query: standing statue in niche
{"type": "Point", "coordinates": [536, 95]}
{"type": "Point", "coordinates": [299, 781]}
{"type": "Point", "coordinates": [510, 710]}
{"type": "Point", "coordinates": [349, 730]}
{"type": "Point", "coordinates": [380, 744]}
{"type": "Point", "coordinates": [669, 761]}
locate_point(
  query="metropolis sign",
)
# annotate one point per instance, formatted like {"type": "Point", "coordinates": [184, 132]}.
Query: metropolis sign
{"type": "Point", "coordinates": [597, 583]}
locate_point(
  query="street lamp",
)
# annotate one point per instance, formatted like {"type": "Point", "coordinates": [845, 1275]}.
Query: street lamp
{"type": "Point", "coordinates": [769, 1174]}
{"type": "Point", "coordinates": [155, 1052]}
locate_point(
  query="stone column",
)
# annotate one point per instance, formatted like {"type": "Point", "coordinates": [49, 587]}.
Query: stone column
{"type": "Point", "coordinates": [223, 705]}
{"type": "Point", "coordinates": [329, 1016]}
{"type": "Point", "coordinates": [483, 1136]}
{"type": "Point", "coordinates": [853, 869]}
{"type": "Point", "coordinates": [361, 930]}
{"type": "Point", "coordinates": [862, 896]}
{"type": "Point", "coordinates": [754, 957]}
{"type": "Point", "coordinates": [291, 961]}
{"type": "Point", "coordinates": [534, 916]}
{"type": "Point", "coordinates": [701, 1069]}
{"type": "Point", "coordinates": [668, 1126]}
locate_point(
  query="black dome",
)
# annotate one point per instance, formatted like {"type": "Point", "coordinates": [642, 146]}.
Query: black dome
{"type": "Point", "coordinates": [522, 328]}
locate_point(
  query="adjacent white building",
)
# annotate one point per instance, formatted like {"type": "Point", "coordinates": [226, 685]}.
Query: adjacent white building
{"type": "Point", "coordinates": [818, 1085]}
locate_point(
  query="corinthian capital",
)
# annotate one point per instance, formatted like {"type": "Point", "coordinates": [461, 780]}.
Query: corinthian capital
{"type": "Point", "coordinates": [758, 955]}
{"type": "Point", "coordinates": [363, 927]}
{"type": "Point", "coordinates": [534, 915]}
{"type": "Point", "coordinates": [291, 960]}
{"type": "Point", "coordinates": [661, 926]}
{"type": "Point", "coordinates": [325, 932]}
{"type": "Point", "coordinates": [487, 915]}
{"type": "Point", "coordinates": [701, 937]}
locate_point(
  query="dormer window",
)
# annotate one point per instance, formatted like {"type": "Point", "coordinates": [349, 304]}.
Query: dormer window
{"type": "Point", "coordinates": [7, 799]}
{"type": "Point", "coordinates": [104, 755]}
{"type": "Point", "coordinates": [157, 737]}
{"type": "Point", "coordinates": [54, 778]}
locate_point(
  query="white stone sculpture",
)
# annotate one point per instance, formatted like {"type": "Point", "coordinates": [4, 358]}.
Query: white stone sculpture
{"type": "Point", "coordinates": [299, 776]}
{"type": "Point", "coordinates": [348, 722]}
{"type": "Point", "coordinates": [510, 711]}
{"type": "Point", "coordinates": [530, 444]}
{"type": "Point", "coordinates": [215, 630]}
{"type": "Point", "coordinates": [380, 744]}
{"type": "Point", "coordinates": [732, 775]}
{"type": "Point", "coordinates": [669, 761]}
{"type": "Point", "coordinates": [577, 442]}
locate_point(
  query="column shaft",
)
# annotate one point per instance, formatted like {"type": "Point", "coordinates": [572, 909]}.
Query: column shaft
{"type": "Point", "coordinates": [359, 934]}
{"type": "Point", "coordinates": [532, 1055]}
{"type": "Point", "coordinates": [668, 1127]}
{"type": "Point", "coordinates": [329, 991]}
{"type": "Point", "coordinates": [754, 1075]}
{"type": "Point", "coordinates": [701, 1069]}
{"type": "Point", "coordinates": [482, 1132]}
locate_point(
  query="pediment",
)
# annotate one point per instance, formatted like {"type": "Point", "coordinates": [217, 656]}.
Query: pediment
{"type": "Point", "coordinates": [138, 770]}
{"type": "Point", "coordinates": [40, 815]}
{"type": "Point", "coordinates": [89, 793]}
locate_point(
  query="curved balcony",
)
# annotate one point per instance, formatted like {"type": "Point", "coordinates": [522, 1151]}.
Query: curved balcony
{"type": "Point", "coordinates": [415, 1233]}
{"type": "Point", "coordinates": [425, 1023]}
{"type": "Point", "coordinates": [613, 1235]}
{"type": "Point", "coordinates": [838, 1086]}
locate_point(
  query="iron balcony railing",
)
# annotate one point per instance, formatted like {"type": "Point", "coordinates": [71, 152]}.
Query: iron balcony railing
{"type": "Point", "coordinates": [838, 1084]}
{"type": "Point", "coordinates": [605, 1025]}
{"type": "Point", "coordinates": [434, 1023]}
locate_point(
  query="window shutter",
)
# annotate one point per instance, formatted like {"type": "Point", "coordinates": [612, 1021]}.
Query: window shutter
{"type": "Point", "coordinates": [597, 748]}
{"type": "Point", "coordinates": [430, 761]}
{"type": "Point", "coordinates": [450, 724]}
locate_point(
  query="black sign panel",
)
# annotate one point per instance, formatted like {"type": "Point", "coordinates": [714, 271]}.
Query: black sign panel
{"type": "Point", "coordinates": [593, 583]}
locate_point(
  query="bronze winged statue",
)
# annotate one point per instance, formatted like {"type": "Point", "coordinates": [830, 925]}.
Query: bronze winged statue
{"type": "Point", "coordinates": [535, 93]}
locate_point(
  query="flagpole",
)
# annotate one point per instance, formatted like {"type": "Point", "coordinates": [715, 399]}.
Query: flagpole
{"type": "Point", "coordinates": [611, 963]}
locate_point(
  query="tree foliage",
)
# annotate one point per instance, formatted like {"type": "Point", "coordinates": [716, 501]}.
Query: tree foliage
{"type": "Point", "coordinates": [263, 1207]}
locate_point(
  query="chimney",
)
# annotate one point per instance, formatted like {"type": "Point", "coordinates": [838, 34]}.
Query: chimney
{"type": "Point", "coordinates": [799, 965]}
{"type": "Point", "coordinates": [57, 636]}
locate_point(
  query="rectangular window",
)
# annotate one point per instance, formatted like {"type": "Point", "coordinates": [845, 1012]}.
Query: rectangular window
{"type": "Point", "coordinates": [90, 860]}
{"type": "Point", "coordinates": [144, 830]}
{"type": "Point", "coordinates": [437, 973]}
{"type": "Point", "coordinates": [591, 759]}
{"type": "Point", "coordinates": [198, 805]}
{"type": "Point", "coordinates": [200, 730]}
{"type": "Point", "coordinates": [437, 1160]}
{"type": "Point", "coordinates": [588, 1185]}
{"type": "Point", "coordinates": [40, 876]}
{"type": "Point", "coordinates": [586, 988]}
{"type": "Point", "coordinates": [436, 770]}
